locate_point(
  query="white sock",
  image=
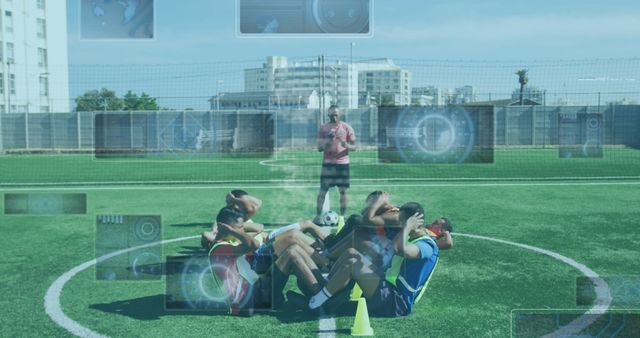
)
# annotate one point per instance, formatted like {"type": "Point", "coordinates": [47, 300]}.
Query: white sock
{"type": "Point", "coordinates": [278, 232]}
{"type": "Point", "coordinates": [319, 299]}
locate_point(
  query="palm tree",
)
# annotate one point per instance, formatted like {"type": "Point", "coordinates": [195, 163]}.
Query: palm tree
{"type": "Point", "coordinates": [522, 79]}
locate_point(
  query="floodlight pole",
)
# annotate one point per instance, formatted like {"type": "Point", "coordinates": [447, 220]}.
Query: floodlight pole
{"type": "Point", "coordinates": [351, 75]}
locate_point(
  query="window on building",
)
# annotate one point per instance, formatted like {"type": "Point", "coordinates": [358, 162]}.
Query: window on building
{"type": "Point", "coordinates": [44, 109]}
{"type": "Point", "coordinates": [1, 52]}
{"type": "Point", "coordinates": [1, 86]}
{"type": "Point", "coordinates": [2, 108]}
{"type": "Point", "coordinates": [42, 57]}
{"type": "Point", "coordinates": [12, 84]}
{"type": "Point", "coordinates": [44, 86]}
{"type": "Point", "coordinates": [40, 4]}
{"type": "Point", "coordinates": [41, 26]}
{"type": "Point", "coordinates": [10, 52]}
{"type": "Point", "coordinates": [8, 21]}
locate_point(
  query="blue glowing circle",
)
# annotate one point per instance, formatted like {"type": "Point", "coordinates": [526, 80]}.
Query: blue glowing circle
{"type": "Point", "coordinates": [434, 135]}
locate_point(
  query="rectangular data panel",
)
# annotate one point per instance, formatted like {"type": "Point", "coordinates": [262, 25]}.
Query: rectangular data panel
{"type": "Point", "coordinates": [180, 135]}
{"type": "Point", "coordinates": [45, 204]}
{"type": "Point", "coordinates": [218, 282]}
{"type": "Point", "coordinates": [451, 134]}
{"type": "Point", "coordinates": [115, 233]}
{"type": "Point", "coordinates": [117, 20]}
{"type": "Point", "coordinates": [281, 18]}
{"type": "Point", "coordinates": [574, 323]}
{"type": "Point", "coordinates": [580, 135]}
{"type": "Point", "coordinates": [624, 290]}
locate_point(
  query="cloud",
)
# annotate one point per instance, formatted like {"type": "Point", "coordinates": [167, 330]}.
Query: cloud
{"type": "Point", "coordinates": [547, 27]}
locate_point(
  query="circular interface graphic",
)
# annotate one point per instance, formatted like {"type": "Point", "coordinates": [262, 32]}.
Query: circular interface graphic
{"type": "Point", "coordinates": [434, 135]}
{"type": "Point", "coordinates": [198, 286]}
{"type": "Point", "coordinates": [146, 264]}
{"type": "Point", "coordinates": [147, 229]}
{"type": "Point", "coordinates": [342, 16]}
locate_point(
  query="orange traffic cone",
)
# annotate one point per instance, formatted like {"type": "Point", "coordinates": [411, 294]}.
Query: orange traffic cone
{"type": "Point", "coordinates": [361, 325]}
{"type": "Point", "coordinates": [356, 292]}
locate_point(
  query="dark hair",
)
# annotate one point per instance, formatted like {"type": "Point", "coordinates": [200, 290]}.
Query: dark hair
{"type": "Point", "coordinates": [409, 209]}
{"type": "Point", "coordinates": [229, 216]}
{"type": "Point", "coordinates": [333, 106]}
{"type": "Point", "coordinates": [447, 224]}
{"type": "Point", "coordinates": [374, 194]}
{"type": "Point", "coordinates": [239, 193]}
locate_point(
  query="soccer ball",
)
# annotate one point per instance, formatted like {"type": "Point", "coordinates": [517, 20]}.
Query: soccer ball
{"type": "Point", "coordinates": [330, 218]}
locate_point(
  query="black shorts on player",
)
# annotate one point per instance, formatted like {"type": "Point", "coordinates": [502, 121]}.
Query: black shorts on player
{"type": "Point", "coordinates": [334, 175]}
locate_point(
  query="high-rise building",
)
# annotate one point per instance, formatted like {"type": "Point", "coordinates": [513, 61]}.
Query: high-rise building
{"type": "Point", "coordinates": [370, 82]}
{"type": "Point", "coordinates": [33, 52]}
{"type": "Point", "coordinates": [381, 82]}
{"type": "Point", "coordinates": [282, 78]}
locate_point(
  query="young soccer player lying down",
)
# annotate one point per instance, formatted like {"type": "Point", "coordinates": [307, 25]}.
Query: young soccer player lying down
{"type": "Point", "coordinates": [393, 293]}
{"type": "Point", "coordinates": [287, 247]}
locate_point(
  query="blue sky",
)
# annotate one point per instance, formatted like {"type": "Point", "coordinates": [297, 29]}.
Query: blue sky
{"type": "Point", "coordinates": [526, 33]}
{"type": "Point", "coordinates": [204, 31]}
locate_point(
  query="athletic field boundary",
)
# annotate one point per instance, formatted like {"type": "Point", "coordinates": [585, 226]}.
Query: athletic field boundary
{"type": "Point", "coordinates": [285, 181]}
{"type": "Point", "coordinates": [327, 327]}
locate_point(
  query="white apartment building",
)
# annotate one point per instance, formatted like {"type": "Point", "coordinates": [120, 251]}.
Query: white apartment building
{"type": "Point", "coordinates": [371, 82]}
{"type": "Point", "coordinates": [464, 94]}
{"type": "Point", "coordinates": [281, 78]}
{"type": "Point", "coordinates": [380, 81]}
{"type": "Point", "coordinates": [429, 96]}
{"type": "Point", "coordinates": [33, 55]}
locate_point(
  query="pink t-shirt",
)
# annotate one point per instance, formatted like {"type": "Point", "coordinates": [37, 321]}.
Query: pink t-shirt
{"type": "Point", "coordinates": [335, 152]}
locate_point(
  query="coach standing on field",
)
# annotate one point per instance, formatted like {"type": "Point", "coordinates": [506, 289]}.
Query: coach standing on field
{"type": "Point", "coordinates": [335, 139]}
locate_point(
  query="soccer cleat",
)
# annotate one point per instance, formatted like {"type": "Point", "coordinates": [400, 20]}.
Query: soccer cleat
{"type": "Point", "coordinates": [318, 221]}
{"type": "Point", "coordinates": [297, 300]}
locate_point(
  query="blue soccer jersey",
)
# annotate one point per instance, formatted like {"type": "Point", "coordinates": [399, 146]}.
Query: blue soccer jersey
{"type": "Point", "coordinates": [415, 273]}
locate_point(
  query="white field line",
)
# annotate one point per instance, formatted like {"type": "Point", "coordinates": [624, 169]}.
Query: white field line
{"type": "Point", "coordinates": [52, 298]}
{"type": "Point", "coordinates": [289, 181]}
{"type": "Point", "coordinates": [603, 294]}
{"type": "Point", "coordinates": [327, 325]}
{"type": "Point", "coordinates": [286, 186]}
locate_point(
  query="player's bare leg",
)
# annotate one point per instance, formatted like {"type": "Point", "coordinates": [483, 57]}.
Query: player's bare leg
{"type": "Point", "coordinates": [343, 200]}
{"type": "Point", "coordinates": [319, 204]}
{"type": "Point", "coordinates": [350, 266]}
{"type": "Point", "coordinates": [302, 242]}
{"type": "Point", "coordinates": [294, 260]}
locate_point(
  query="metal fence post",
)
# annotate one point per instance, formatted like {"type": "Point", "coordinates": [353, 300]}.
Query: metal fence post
{"type": "Point", "coordinates": [1, 133]}
{"type": "Point", "coordinates": [26, 130]}
{"type": "Point", "coordinates": [78, 133]}
{"type": "Point", "coordinates": [52, 135]}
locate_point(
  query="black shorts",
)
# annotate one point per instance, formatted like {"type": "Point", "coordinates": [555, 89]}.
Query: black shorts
{"type": "Point", "coordinates": [262, 294]}
{"type": "Point", "coordinates": [334, 175]}
{"type": "Point", "coordinates": [387, 302]}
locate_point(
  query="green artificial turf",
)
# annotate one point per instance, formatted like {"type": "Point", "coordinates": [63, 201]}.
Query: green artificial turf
{"type": "Point", "coordinates": [472, 293]}
{"type": "Point", "coordinates": [304, 166]}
